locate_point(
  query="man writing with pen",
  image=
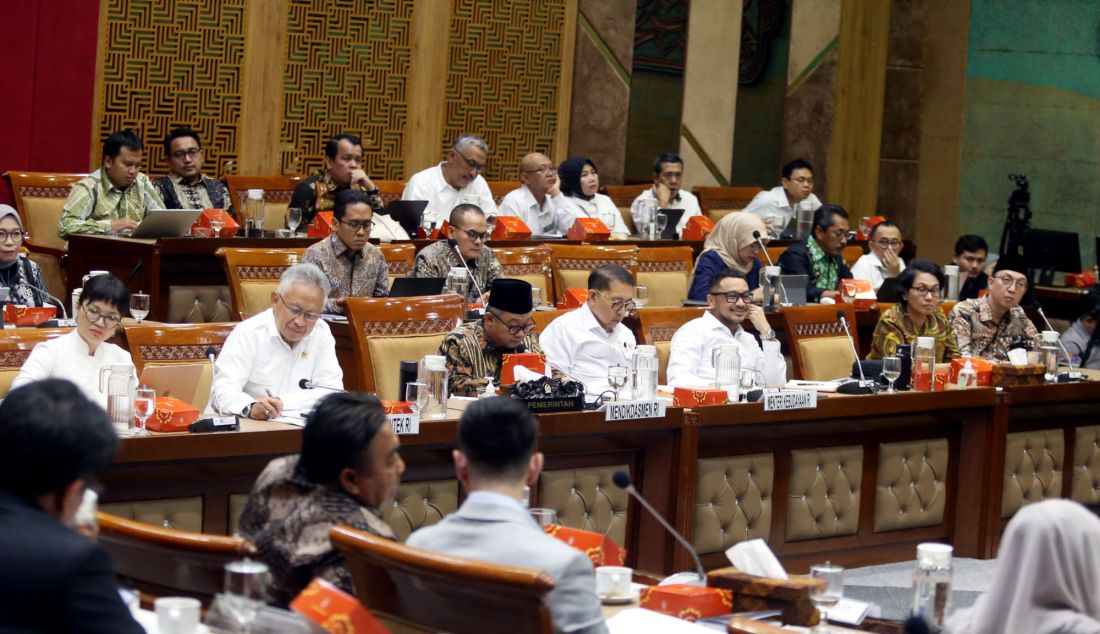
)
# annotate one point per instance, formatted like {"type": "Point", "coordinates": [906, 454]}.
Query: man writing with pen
{"type": "Point", "coordinates": [261, 366]}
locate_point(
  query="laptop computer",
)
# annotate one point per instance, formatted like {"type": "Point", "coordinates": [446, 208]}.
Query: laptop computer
{"type": "Point", "coordinates": [166, 223]}
{"type": "Point", "coordinates": [674, 216]}
{"type": "Point", "coordinates": [793, 289]}
{"type": "Point", "coordinates": [407, 213]}
{"type": "Point", "coordinates": [180, 380]}
{"type": "Point", "coordinates": [417, 286]}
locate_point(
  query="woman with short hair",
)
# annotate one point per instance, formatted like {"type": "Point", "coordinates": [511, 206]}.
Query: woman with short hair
{"type": "Point", "coordinates": [917, 314]}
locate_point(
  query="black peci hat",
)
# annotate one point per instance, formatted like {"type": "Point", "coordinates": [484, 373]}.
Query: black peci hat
{"type": "Point", "coordinates": [511, 296]}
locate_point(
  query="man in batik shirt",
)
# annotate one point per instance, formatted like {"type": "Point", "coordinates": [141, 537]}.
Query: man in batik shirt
{"type": "Point", "coordinates": [986, 327]}
{"type": "Point", "coordinates": [343, 170]}
{"type": "Point", "coordinates": [355, 267]}
{"type": "Point", "coordinates": [819, 256]}
{"type": "Point", "coordinates": [469, 231]}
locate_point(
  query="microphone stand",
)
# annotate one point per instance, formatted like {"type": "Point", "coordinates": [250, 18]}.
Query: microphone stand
{"type": "Point", "coordinates": [864, 386]}
{"type": "Point", "coordinates": [462, 260]}
{"type": "Point", "coordinates": [60, 304]}
{"type": "Point", "coordinates": [622, 480]}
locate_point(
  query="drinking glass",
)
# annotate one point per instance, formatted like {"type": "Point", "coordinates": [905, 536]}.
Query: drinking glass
{"type": "Point", "coordinates": [416, 393]}
{"type": "Point", "coordinates": [139, 306]}
{"type": "Point", "coordinates": [662, 224]}
{"type": "Point", "coordinates": [245, 590]}
{"type": "Point", "coordinates": [608, 218]}
{"type": "Point", "coordinates": [616, 378]}
{"type": "Point", "coordinates": [848, 292]}
{"type": "Point", "coordinates": [536, 296]}
{"type": "Point", "coordinates": [891, 369]}
{"type": "Point", "coordinates": [216, 226]}
{"type": "Point", "coordinates": [544, 517]}
{"type": "Point", "coordinates": [427, 224]}
{"type": "Point", "coordinates": [777, 225]}
{"type": "Point", "coordinates": [829, 593]}
{"type": "Point", "coordinates": [293, 218]}
{"type": "Point", "coordinates": [145, 401]}
{"type": "Point", "coordinates": [641, 296]}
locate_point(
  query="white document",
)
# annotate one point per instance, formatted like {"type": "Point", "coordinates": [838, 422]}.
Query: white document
{"type": "Point", "coordinates": [643, 621]}
{"type": "Point", "coordinates": [294, 417]}
{"type": "Point", "coordinates": [753, 557]}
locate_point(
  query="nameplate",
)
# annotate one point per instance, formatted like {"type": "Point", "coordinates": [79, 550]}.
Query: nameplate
{"type": "Point", "coordinates": [632, 410]}
{"type": "Point", "coordinates": [789, 399]}
{"type": "Point", "coordinates": [405, 424]}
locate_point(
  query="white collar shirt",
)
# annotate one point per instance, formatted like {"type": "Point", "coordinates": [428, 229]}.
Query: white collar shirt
{"type": "Point", "coordinates": [774, 202]}
{"type": "Point", "coordinates": [255, 358]}
{"type": "Point", "coordinates": [869, 267]}
{"type": "Point", "coordinates": [689, 358]}
{"type": "Point", "coordinates": [602, 208]}
{"type": "Point", "coordinates": [578, 343]}
{"type": "Point", "coordinates": [684, 200]}
{"type": "Point", "coordinates": [430, 185]}
{"type": "Point", "coordinates": [552, 218]}
{"type": "Point", "coordinates": [66, 357]}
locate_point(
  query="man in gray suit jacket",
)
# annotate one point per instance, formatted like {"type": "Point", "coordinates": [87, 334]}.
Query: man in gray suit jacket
{"type": "Point", "coordinates": [495, 458]}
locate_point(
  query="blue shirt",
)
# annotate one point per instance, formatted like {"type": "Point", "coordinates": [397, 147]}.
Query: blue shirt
{"type": "Point", "coordinates": [711, 264]}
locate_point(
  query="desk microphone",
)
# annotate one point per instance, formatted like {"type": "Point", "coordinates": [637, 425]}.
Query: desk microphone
{"type": "Point", "coordinates": [465, 266]}
{"type": "Point", "coordinates": [768, 257]}
{"type": "Point", "coordinates": [211, 403]}
{"type": "Point", "coordinates": [622, 480]}
{"type": "Point", "coordinates": [863, 386]}
{"type": "Point", "coordinates": [1071, 375]}
{"type": "Point", "coordinates": [60, 304]}
{"type": "Point", "coordinates": [306, 384]}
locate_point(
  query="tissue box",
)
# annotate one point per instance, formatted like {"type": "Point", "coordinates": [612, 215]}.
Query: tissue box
{"type": "Point", "coordinates": [601, 550]}
{"type": "Point", "coordinates": [1006, 375]}
{"type": "Point", "coordinates": [981, 367]}
{"type": "Point", "coordinates": [589, 230]}
{"type": "Point", "coordinates": [228, 231]}
{"type": "Point", "coordinates": [322, 226]}
{"type": "Point", "coordinates": [697, 228]}
{"type": "Point", "coordinates": [530, 360]}
{"type": "Point", "coordinates": [171, 414]}
{"type": "Point", "coordinates": [573, 298]}
{"type": "Point", "coordinates": [752, 593]}
{"type": "Point", "coordinates": [28, 315]}
{"type": "Point", "coordinates": [334, 610]}
{"type": "Point", "coordinates": [510, 228]}
{"type": "Point", "coordinates": [696, 396]}
{"type": "Point", "coordinates": [397, 407]}
{"type": "Point", "coordinates": [689, 603]}
{"type": "Point", "coordinates": [864, 295]}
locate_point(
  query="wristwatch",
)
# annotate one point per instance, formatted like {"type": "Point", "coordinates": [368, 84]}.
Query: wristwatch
{"type": "Point", "coordinates": [372, 192]}
{"type": "Point", "coordinates": [247, 410]}
{"type": "Point", "coordinates": [769, 335]}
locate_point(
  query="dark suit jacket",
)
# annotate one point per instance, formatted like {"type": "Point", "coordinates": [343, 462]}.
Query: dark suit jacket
{"type": "Point", "coordinates": [796, 261]}
{"type": "Point", "coordinates": [54, 579]}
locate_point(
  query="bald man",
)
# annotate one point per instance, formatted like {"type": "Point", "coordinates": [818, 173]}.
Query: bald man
{"type": "Point", "coordinates": [539, 202]}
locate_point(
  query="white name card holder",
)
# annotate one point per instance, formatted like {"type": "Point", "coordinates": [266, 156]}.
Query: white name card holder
{"type": "Point", "coordinates": [633, 410]}
{"type": "Point", "coordinates": [782, 400]}
{"type": "Point", "coordinates": [405, 424]}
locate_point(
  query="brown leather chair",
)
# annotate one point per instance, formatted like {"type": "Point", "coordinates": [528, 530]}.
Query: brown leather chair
{"type": "Point", "coordinates": [434, 592]}
{"type": "Point", "coordinates": [819, 349]}
{"type": "Point", "coordinates": [178, 344]}
{"type": "Point", "coordinates": [16, 346]}
{"type": "Point", "coordinates": [657, 327]}
{"type": "Point", "coordinates": [40, 200]}
{"type": "Point", "coordinates": [719, 201]}
{"type": "Point", "coordinates": [253, 274]}
{"type": "Point", "coordinates": [500, 189]}
{"type": "Point", "coordinates": [666, 271]}
{"type": "Point", "coordinates": [623, 196]}
{"type": "Point", "coordinates": [389, 190]}
{"type": "Point", "coordinates": [571, 263]}
{"type": "Point", "coordinates": [543, 318]}
{"type": "Point", "coordinates": [531, 264]}
{"type": "Point", "coordinates": [166, 561]}
{"type": "Point", "coordinates": [388, 330]}
{"type": "Point", "coordinates": [399, 258]}
{"type": "Point", "coordinates": [277, 192]}
{"type": "Point", "coordinates": [851, 254]}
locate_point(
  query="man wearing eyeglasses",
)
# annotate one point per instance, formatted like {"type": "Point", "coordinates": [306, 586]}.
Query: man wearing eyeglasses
{"type": "Point", "coordinates": [884, 260]}
{"type": "Point", "coordinates": [776, 205]}
{"type": "Point", "coordinates": [355, 267]}
{"type": "Point", "coordinates": [987, 326]}
{"type": "Point", "coordinates": [729, 305]}
{"type": "Point", "coordinates": [469, 231]}
{"type": "Point", "coordinates": [819, 256]}
{"type": "Point", "coordinates": [476, 350]}
{"type": "Point", "coordinates": [539, 202]}
{"type": "Point", "coordinates": [668, 175]}
{"type": "Point", "coordinates": [184, 187]}
{"type": "Point", "coordinates": [343, 170]}
{"type": "Point", "coordinates": [458, 179]}
{"type": "Point", "coordinates": [258, 373]}
{"type": "Point", "coordinates": [591, 339]}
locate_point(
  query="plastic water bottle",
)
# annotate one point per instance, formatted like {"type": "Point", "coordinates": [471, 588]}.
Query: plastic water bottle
{"type": "Point", "coordinates": [433, 372]}
{"type": "Point", "coordinates": [645, 373]}
{"type": "Point", "coordinates": [1048, 352]}
{"type": "Point", "coordinates": [951, 272]}
{"type": "Point", "coordinates": [932, 584]}
{"type": "Point", "coordinates": [924, 364]}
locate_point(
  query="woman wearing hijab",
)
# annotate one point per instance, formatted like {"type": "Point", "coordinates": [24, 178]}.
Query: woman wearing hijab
{"type": "Point", "coordinates": [579, 181]}
{"type": "Point", "coordinates": [17, 272]}
{"type": "Point", "coordinates": [730, 245]}
{"type": "Point", "coordinates": [1047, 576]}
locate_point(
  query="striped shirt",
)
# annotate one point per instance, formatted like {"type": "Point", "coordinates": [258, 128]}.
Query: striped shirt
{"type": "Point", "coordinates": [471, 358]}
{"type": "Point", "coordinates": [94, 202]}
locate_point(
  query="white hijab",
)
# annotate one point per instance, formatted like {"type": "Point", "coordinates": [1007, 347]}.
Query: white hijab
{"type": "Point", "coordinates": [1047, 576]}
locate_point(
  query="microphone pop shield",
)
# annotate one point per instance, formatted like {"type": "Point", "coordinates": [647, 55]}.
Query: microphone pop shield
{"type": "Point", "coordinates": [756, 235]}
{"type": "Point", "coordinates": [840, 315]}
{"type": "Point", "coordinates": [211, 351]}
{"type": "Point", "coordinates": [621, 479]}
{"type": "Point", "coordinates": [304, 384]}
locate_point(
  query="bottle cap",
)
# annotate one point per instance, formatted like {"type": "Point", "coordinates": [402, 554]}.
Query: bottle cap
{"type": "Point", "coordinates": [435, 362]}
{"type": "Point", "coordinates": [1049, 336]}
{"type": "Point", "coordinates": [938, 555]}
{"type": "Point", "coordinates": [256, 194]}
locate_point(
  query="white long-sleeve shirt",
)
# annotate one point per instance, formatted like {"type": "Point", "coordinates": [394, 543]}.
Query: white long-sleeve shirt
{"type": "Point", "coordinates": [67, 358]}
{"type": "Point", "coordinates": [552, 218]}
{"type": "Point", "coordinates": [684, 200]}
{"type": "Point", "coordinates": [600, 207]}
{"type": "Point", "coordinates": [430, 185]}
{"type": "Point", "coordinates": [869, 267]}
{"type": "Point", "coordinates": [255, 358]}
{"type": "Point", "coordinates": [578, 343]}
{"type": "Point", "coordinates": [773, 202]}
{"type": "Point", "coordinates": [689, 358]}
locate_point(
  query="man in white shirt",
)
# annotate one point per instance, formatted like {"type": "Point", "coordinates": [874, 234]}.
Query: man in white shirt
{"type": "Point", "coordinates": [729, 304]}
{"type": "Point", "coordinates": [884, 260]}
{"type": "Point", "coordinates": [539, 202]}
{"type": "Point", "coordinates": [589, 340]}
{"type": "Point", "coordinates": [263, 360]}
{"type": "Point", "coordinates": [455, 181]}
{"type": "Point", "coordinates": [776, 206]}
{"type": "Point", "coordinates": [668, 173]}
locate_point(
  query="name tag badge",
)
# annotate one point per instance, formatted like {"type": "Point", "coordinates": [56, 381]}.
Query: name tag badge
{"type": "Point", "coordinates": [405, 424]}
{"type": "Point", "coordinates": [777, 401]}
{"type": "Point", "coordinates": [632, 410]}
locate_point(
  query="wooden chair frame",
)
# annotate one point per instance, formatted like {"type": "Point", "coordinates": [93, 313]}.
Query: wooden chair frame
{"type": "Point", "coordinates": [500, 189]}
{"type": "Point", "coordinates": [442, 592]}
{"type": "Point", "coordinates": [725, 198]}
{"type": "Point", "coordinates": [571, 257]}
{"type": "Point", "coordinates": [527, 261]}
{"type": "Point", "coordinates": [659, 324]}
{"type": "Point", "coordinates": [243, 265]}
{"type": "Point", "coordinates": [389, 190]}
{"type": "Point", "coordinates": [277, 189]}
{"type": "Point", "coordinates": [811, 322]}
{"type": "Point", "coordinates": [666, 260]}
{"type": "Point", "coordinates": [42, 185]}
{"type": "Point", "coordinates": [399, 258]}
{"type": "Point", "coordinates": [17, 343]}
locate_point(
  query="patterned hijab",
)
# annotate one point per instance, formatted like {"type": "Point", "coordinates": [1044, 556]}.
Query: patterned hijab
{"type": "Point", "coordinates": [733, 232]}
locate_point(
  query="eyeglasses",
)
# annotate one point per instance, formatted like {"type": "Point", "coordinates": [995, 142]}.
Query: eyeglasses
{"type": "Point", "coordinates": [110, 321]}
{"type": "Point", "coordinates": [179, 155]}
{"type": "Point", "coordinates": [14, 236]}
{"type": "Point", "coordinates": [618, 304]}
{"type": "Point", "coordinates": [1009, 282]}
{"type": "Point", "coordinates": [888, 243]}
{"type": "Point", "coordinates": [546, 170]}
{"type": "Point", "coordinates": [926, 290]}
{"type": "Point", "coordinates": [515, 331]}
{"type": "Point", "coordinates": [839, 234]}
{"type": "Point", "coordinates": [733, 297]}
{"type": "Point", "coordinates": [298, 312]}
{"type": "Point", "coordinates": [474, 236]}
{"type": "Point", "coordinates": [474, 165]}
{"type": "Point", "coordinates": [358, 225]}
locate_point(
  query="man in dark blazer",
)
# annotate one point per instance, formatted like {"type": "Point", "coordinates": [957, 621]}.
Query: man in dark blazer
{"type": "Point", "coordinates": [495, 457]}
{"type": "Point", "coordinates": [819, 256]}
{"type": "Point", "coordinates": [53, 440]}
